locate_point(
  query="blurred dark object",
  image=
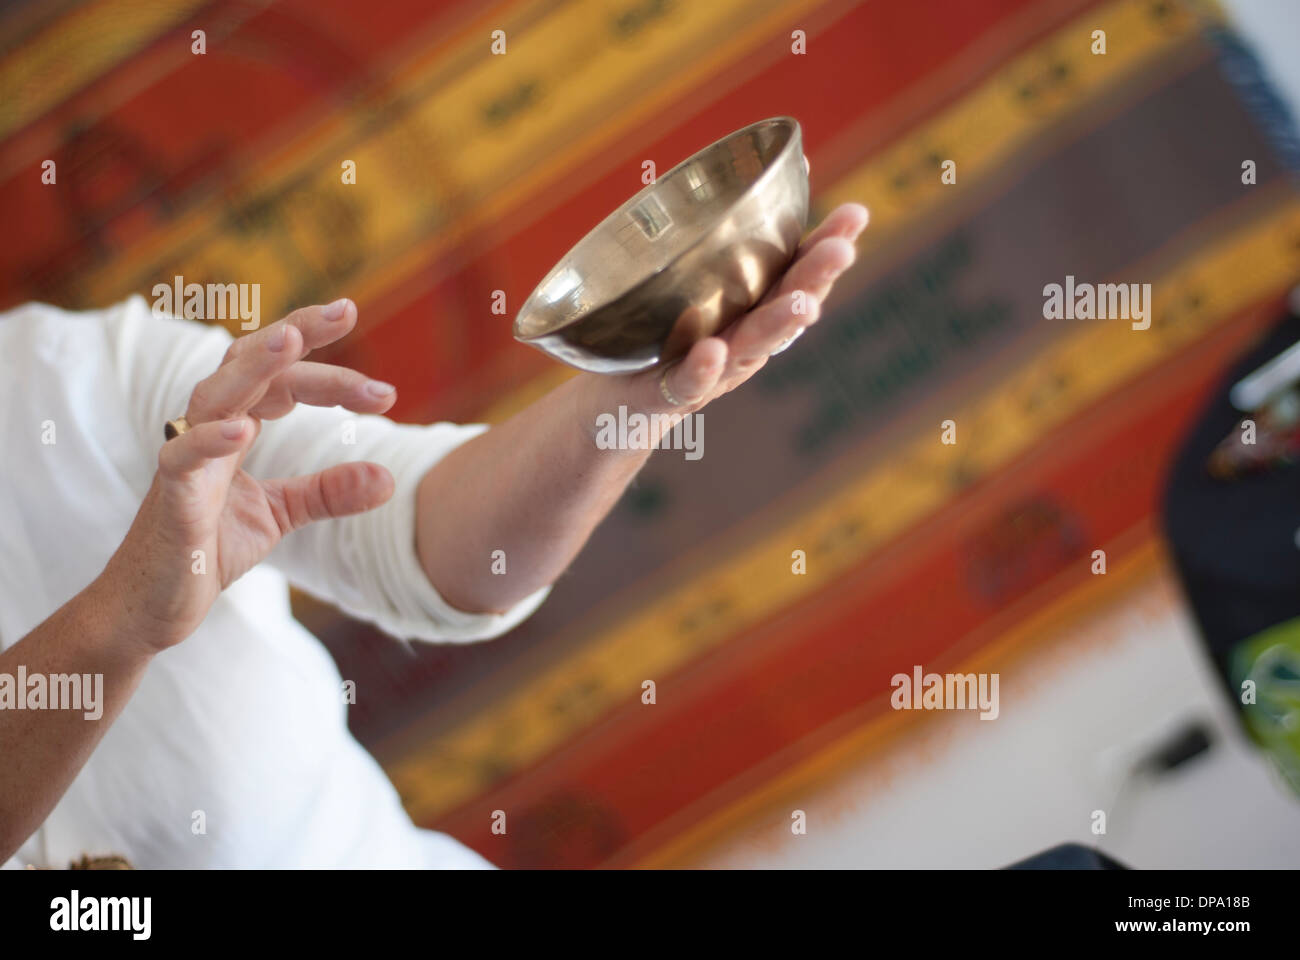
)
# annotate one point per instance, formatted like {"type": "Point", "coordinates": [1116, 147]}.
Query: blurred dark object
{"type": "Point", "coordinates": [1187, 743]}
{"type": "Point", "coordinates": [1068, 856]}
{"type": "Point", "coordinates": [1234, 541]}
{"type": "Point", "coordinates": [1275, 430]}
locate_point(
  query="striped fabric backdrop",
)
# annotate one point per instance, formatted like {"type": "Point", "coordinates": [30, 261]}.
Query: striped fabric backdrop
{"type": "Point", "coordinates": [475, 172]}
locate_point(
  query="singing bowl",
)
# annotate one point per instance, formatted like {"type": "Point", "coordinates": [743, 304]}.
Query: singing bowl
{"type": "Point", "coordinates": [680, 260]}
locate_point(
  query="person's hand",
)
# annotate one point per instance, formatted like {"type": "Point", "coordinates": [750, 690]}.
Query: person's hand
{"type": "Point", "coordinates": [205, 521]}
{"type": "Point", "coordinates": [718, 364]}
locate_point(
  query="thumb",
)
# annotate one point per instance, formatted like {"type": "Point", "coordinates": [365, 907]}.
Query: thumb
{"type": "Point", "coordinates": [687, 383]}
{"type": "Point", "coordinates": [339, 491]}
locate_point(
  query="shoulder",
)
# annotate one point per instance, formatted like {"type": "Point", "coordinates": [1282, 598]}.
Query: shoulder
{"type": "Point", "coordinates": [33, 324]}
{"type": "Point", "coordinates": [130, 318]}
{"type": "Point", "coordinates": [122, 335]}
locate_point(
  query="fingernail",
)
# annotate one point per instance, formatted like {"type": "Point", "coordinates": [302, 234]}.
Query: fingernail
{"type": "Point", "coordinates": [333, 311]}
{"type": "Point", "coordinates": [377, 388]}
{"type": "Point", "coordinates": [785, 344]}
{"type": "Point", "coordinates": [230, 429]}
{"type": "Point", "coordinates": [275, 343]}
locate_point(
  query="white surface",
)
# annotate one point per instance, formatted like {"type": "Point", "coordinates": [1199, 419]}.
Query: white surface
{"type": "Point", "coordinates": [967, 793]}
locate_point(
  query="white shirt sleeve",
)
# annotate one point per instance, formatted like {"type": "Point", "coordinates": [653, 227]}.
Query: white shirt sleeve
{"type": "Point", "coordinates": [365, 564]}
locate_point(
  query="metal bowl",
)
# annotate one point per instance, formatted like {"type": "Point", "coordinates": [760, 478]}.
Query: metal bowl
{"type": "Point", "coordinates": [680, 260]}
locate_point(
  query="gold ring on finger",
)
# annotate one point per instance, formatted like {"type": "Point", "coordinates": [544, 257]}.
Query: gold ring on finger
{"type": "Point", "coordinates": [174, 428]}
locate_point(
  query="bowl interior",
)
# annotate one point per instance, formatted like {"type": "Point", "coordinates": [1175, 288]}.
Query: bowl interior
{"type": "Point", "coordinates": [649, 231]}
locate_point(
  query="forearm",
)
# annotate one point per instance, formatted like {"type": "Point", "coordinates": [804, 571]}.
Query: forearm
{"type": "Point", "coordinates": [533, 487]}
{"type": "Point", "coordinates": [41, 750]}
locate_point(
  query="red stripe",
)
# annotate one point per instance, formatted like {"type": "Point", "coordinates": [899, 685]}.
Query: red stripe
{"type": "Point", "coordinates": [180, 140]}
{"type": "Point", "coordinates": [775, 695]}
{"type": "Point", "coordinates": [440, 334]}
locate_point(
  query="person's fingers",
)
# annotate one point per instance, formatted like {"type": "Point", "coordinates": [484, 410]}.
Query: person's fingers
{"type": "Point", "coordinates": [239, 384]}
{"type": "Point", "coordinates": [846, 221]}
{"type": "Point", "coordinates": [763, 331]}
{"type": "Point", "coordinates": [213, 440]}
{"type": "Point", "coordinates": [256, 359]}
{"type": "Point", "coordinates": [793, 303]}
{"type": "Point", "coordinates": [689, 380]}
{"type": "Point", "coordinates": [318, 325]}
{"type": "Point", "coordinates": [323, 385]}
{"type": "Point", "coordinates": [338, 491]}
{"type": "Point", "coordinates": [817, 270]}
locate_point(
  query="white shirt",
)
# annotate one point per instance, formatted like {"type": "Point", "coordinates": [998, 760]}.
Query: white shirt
{"type": "Point", "coordinates": [242, 728]}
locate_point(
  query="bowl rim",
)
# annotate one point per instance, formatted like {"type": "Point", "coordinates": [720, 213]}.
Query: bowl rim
{"type": "Point", "coordinates": [796, 137]}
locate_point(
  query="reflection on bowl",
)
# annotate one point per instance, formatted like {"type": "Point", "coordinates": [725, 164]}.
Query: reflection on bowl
{"type": "Point", "coordinates": [678, 261]}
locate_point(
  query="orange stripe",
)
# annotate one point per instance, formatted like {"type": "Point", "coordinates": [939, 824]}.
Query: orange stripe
{"type": "Point", "coordinates": [1239, 268]}
{"type": "Point", "coordinates": [73, 51]}
{"type": "Point", "coordinates": [688, 847]}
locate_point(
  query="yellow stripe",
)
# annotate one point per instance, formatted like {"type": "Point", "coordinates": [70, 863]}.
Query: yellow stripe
{"type": "Point", "coordinates": [1238, 269]}
{"type": "Point", "coordinates": [74, 50]}
{"type": "Point", "coordinates": [991, 126]}
{"type": "Point", "coordinates": [851, 750]}
{"type": "Point", "coordinates": [470, 149]}
{"type": "Point", "coordinates": [985, 129]}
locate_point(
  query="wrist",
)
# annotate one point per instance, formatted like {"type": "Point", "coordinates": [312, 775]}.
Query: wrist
{"type": "Point", "coordinates": [110, 626]}
{"type": "Point", "coordinates": [602, 406]}
{"type": "Point", "coordinates": [121, 595]}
